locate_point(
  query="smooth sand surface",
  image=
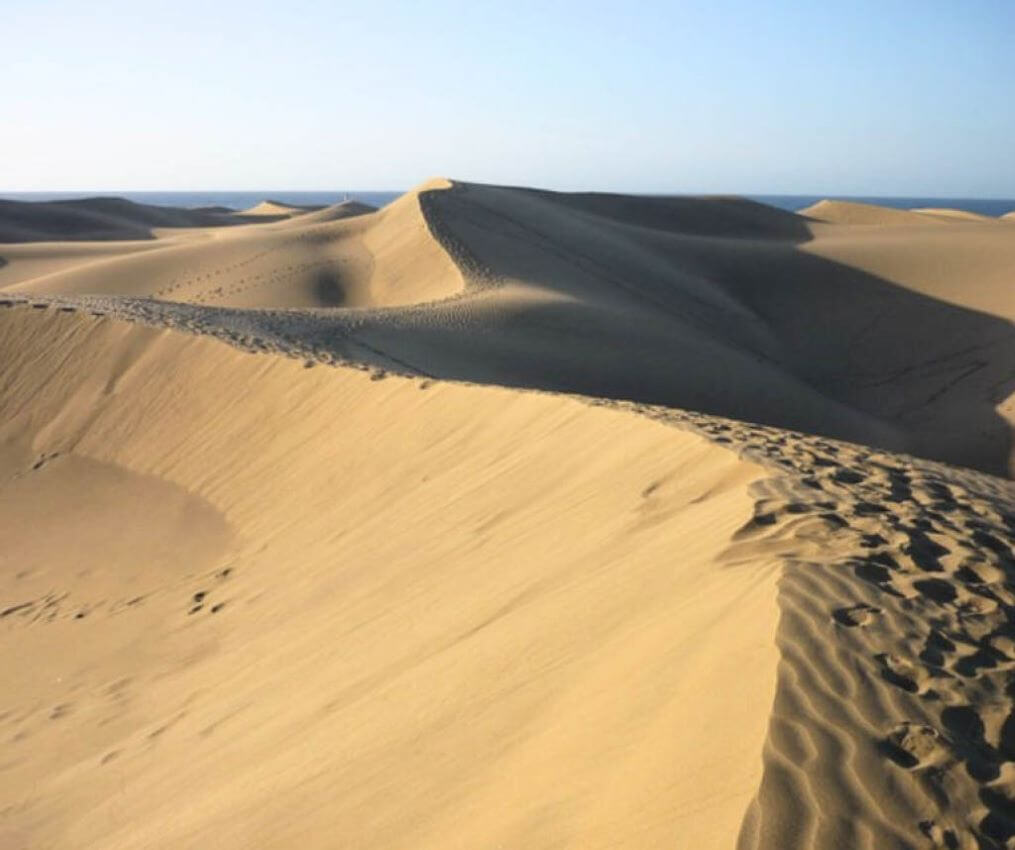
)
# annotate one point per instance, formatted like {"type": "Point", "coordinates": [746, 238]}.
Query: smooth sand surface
{"type": "Point", "coordinates": [452, 616]}
{"type": "Point", "coordinates": [497, 571]}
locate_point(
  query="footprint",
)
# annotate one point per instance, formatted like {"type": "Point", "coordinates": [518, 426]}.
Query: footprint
{"type": "Point", "coordinates": [856, 615]}
{"type": "Point", "coordinates": [913, 745]}
{"type": "Point", "coordinates": [941, 837]}
{"type": "Point", "coordinates": [937, 589]}
{"type": "Point", "coordinates": [848, 476]}
{"type": "Point", "coordinates": [61, 710]}
{"type": "Point", "coordinates": [902, 673]}
{"type": "Point", "coordinates": [1003, 645]}
{"type": "Point", "coordinates": [13, 609]}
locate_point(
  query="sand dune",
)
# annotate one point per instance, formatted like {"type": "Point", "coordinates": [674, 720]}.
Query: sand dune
{"type": "Point", "coordinates": [102, 219]}
{"type": "Point", "coordinates": [712, 304]}
{"type": "Point", "coordinates": [853, 212]}
{"type": "Point", "coordinates": [958, 215]}
{"type": "Point", "coordinates": [418, 590]}
{"type": "Point", "coordinates": [363, 605]}
{"type": "Point", "coordinates": [278, 209]}
{"type": "Point", "coordinates": [345, 209]}
{"type": "Point", "coordinates": [339, 259]}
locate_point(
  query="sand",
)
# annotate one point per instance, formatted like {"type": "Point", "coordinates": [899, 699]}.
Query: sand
{"type": "Point", "coordinates": [503, 518]}
{"type": "Point", "coordinates": [952, 214]}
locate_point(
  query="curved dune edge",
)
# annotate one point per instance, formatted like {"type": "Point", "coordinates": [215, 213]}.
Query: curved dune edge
{"type": "Point", "coordinates": [424, 616]}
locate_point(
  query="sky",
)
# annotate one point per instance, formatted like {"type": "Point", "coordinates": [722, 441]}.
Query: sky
{"type": "Point", "coordinates": [895, 97]}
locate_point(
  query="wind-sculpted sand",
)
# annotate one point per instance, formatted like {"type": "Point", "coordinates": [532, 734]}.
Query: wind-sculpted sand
{"type": "Point", "coordinates": [894, 714]}
{"type": "Point", "coordinates": [464, 537]}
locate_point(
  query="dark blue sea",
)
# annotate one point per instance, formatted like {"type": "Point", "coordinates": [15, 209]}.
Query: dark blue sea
{"type": "Point", "coordinates": [243, 200]}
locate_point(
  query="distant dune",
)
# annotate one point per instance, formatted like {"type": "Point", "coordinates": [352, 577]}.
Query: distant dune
{"type": "Point", "coordinates": [90, 219]}
{"type": "Point", "coordinates": [852, 212]}
{"type": "Point", "coordinates": [345, 209]}
{"type": "Point", "coordinates": [278, 209]}
{"type": "Point", "coordinates": [956, 215]}
{"type": "Point", "coordinates": [501, 517]}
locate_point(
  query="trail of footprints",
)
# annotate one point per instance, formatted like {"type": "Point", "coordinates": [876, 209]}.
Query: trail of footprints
{"type": "Point", "coordinates": [274, 274]}
{"type": "Point", "coordinates": [308, 335]}
{"type": "Point", "coordinates": [109, 701]}
{"type": "Point", "coordinates": [932, 613]}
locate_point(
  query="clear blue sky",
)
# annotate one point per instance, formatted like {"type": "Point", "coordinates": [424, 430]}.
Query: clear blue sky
{"type": "Point", "coordinates": [908, 97]}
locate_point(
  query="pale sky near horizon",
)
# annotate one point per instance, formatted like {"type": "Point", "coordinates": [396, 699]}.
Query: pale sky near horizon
{"type": "Point", "coordinates": [896, 97]}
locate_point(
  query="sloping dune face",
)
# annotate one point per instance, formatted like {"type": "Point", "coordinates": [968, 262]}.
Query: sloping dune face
{"type": "Point", "coordinates": [248, 604]}
{"type": "Point", "coordinates": [731, 308]}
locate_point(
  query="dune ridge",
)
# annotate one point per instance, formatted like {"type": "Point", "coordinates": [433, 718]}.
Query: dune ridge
{"type": "Point", "coordinates": [601, 295]}
{"type": "Point", "coordinates": [434, 598]}
{"type": "Point", "coordinates": [415, 675]}
{"type": "Point", "coordinates": [278, 209]}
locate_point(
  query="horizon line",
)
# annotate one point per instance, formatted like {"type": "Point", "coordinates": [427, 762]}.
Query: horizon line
{"type": "Point", "coordinates": [685, 193]}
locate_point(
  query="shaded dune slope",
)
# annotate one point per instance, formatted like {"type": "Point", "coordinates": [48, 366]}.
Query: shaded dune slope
{"type": "Point", "coordinates": [721, 306]}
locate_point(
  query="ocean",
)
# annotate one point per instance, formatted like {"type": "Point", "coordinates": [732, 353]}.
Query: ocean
{"type": "Point", "coordinates": [243, 200]}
